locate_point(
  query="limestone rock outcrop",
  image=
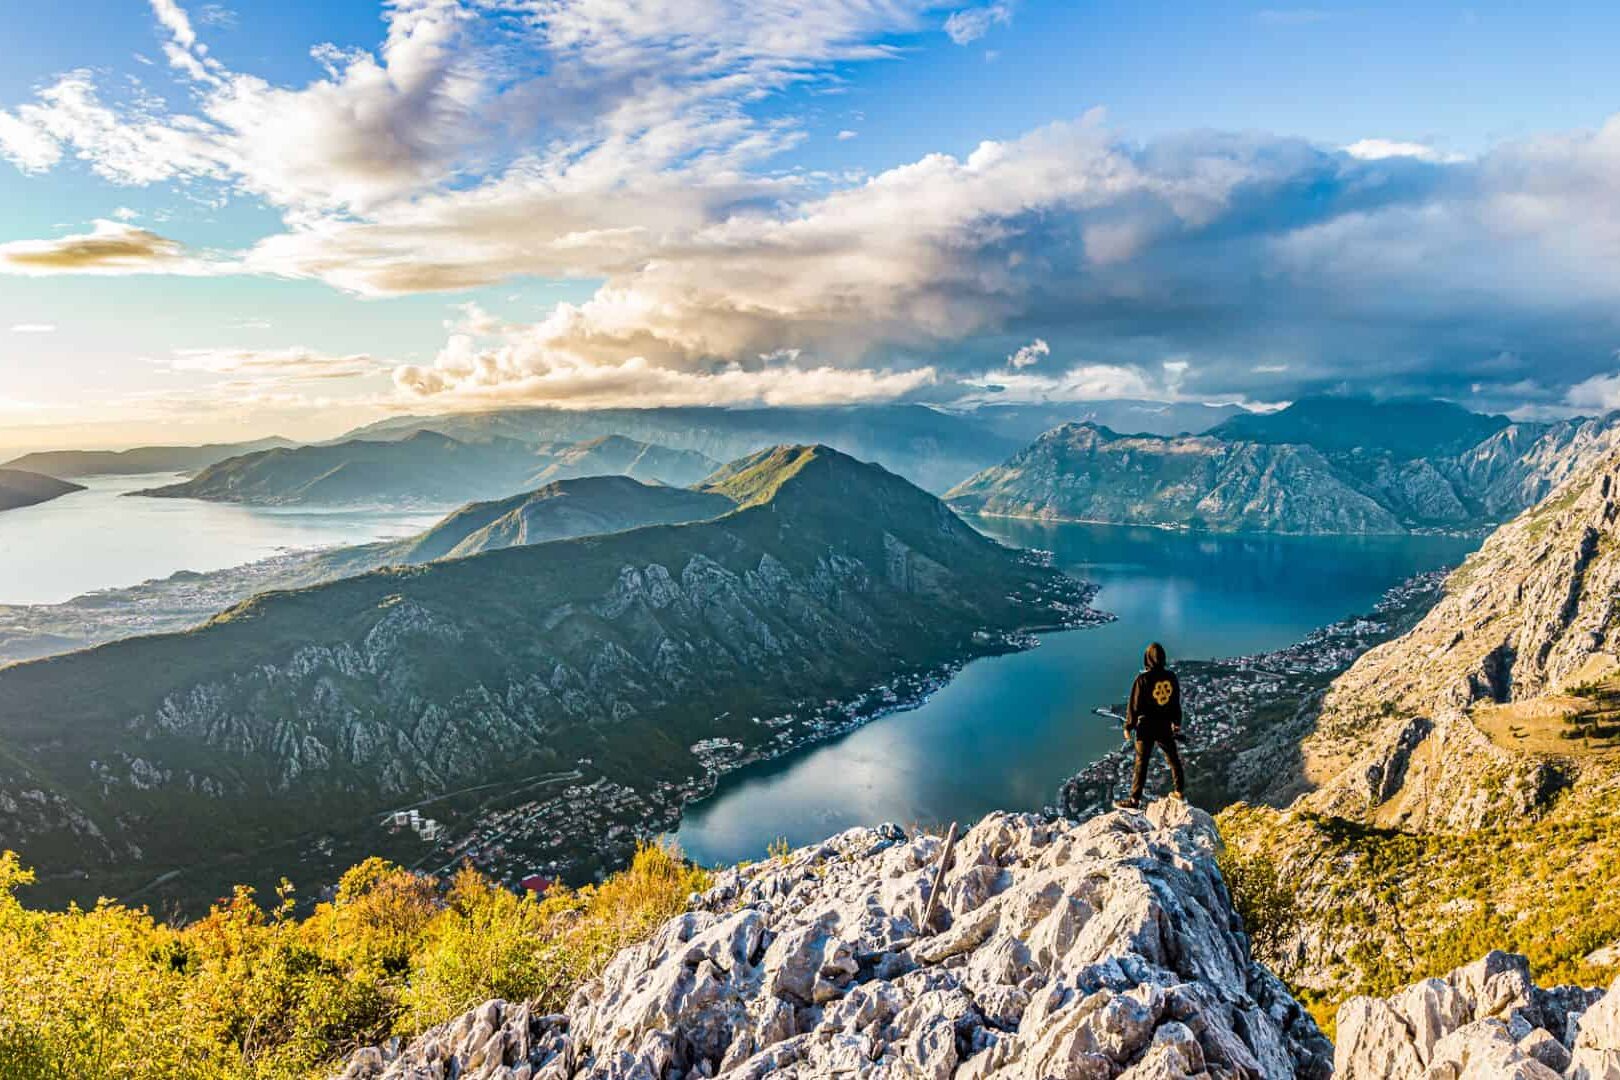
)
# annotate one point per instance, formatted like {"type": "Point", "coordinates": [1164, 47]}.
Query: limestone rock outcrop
{"type": "Point", "coordinates": [1107, 948]}
{"type": "Point", "coordinates": [1486, 1020]}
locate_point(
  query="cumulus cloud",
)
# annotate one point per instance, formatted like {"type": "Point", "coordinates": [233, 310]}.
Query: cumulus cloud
{"type": "Point", "coordinates": [1029, 355]}
{"type": "Point", "coordinates": [565, 360]}
{"type": "Point", "coordinates": [1378, 149]}
{"type": "Point", "coordinates": [111, 247]}
{"type": "Point", "coordinates": [1599, 392]}
{"type": "Point", "coordinates": [1083, 382]}
{"type": "Point", "coordinates": [970, 24]}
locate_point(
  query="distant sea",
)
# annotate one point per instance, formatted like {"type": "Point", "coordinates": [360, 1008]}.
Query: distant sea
{"type": "Point", "coordinates": [99, 539]}
{"type": "Point", "coordinates": [1007, 730]}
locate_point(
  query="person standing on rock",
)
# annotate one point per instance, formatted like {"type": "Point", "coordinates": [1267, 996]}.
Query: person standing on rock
{"type": "Point", "coordinates": [1153, 718]}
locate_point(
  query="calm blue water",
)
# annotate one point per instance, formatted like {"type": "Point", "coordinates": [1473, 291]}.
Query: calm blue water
{"type": "Point", "coordinates": [97, 539]}
{"type": "Point", "coordinates": [1008, 729]}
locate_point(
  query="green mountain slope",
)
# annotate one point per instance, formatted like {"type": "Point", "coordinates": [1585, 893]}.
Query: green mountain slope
{"type": "Point", "coordinates": [302, 713]}
{"type": "Point", "coordinates": [141, 459]}
{"type": "Point", "coordinates": [18, 488]}
{"type": "Point", "coordinates": [427, 467]}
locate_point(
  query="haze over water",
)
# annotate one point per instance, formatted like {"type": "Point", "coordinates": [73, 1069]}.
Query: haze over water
{"type": "Point", "coordinates": [98, 539]}
{"type": "Point", "coordinates": [1006, 731]}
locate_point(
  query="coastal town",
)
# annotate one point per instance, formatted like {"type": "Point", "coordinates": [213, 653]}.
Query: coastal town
{"type": "Point", "coordinates": [575, 827]}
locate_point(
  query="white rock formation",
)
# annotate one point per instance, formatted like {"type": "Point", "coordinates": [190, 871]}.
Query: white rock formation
{"type": "Point", "coordinates": [1103, 949]}
{"type": "Point", "coordinates": [1486, 1020]}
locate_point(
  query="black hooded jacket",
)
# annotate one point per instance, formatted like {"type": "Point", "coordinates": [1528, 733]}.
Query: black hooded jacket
{"type": "Point", "coordinates": [1154, 710]}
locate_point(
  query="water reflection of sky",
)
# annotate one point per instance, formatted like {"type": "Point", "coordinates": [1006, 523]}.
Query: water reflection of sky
{"type": "Point", "coordinates": [1007, 730]}
{"type": "Point", "coordinates": [99, 539]}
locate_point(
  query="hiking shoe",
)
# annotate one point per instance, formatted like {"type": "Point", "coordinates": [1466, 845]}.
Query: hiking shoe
{"type": "Point", "coordinates": [1178, 796]}
{"type": "Point", "coordinates": [1129, 804]}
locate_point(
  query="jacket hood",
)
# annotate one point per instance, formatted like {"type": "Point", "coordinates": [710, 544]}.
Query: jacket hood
{"type": "Point", "coordinates": [1153, 657]}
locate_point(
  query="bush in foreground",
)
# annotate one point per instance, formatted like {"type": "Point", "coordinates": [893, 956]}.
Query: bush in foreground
{"type": "Point", "coordinates": [254, 991]}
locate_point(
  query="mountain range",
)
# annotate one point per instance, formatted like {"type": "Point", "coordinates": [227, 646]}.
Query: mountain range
{"type": "Point", "coordinates": [141, 459]}
{"type": "Point", "coordinates": [19, 487]}
{"type": "Point", "coordinates": [427, 467]}
{"type": "Point", "coordinates": [932, 449]}
{"type": "Point", "coordinates": [1319, 466]}
{"type": "Point", "coordinates": [306, 712]}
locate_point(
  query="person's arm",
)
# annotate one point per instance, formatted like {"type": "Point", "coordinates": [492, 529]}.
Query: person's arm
{"type": "Point", "coordinates": [1133, 708]}
{"type": "Point", "coordinates": [1175, 706]}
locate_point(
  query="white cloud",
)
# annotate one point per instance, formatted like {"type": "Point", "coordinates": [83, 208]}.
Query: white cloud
{"type": "Point", "coordinates": [1600, 392]}
{"type": "Point", "coordinates": [846, 135]}
{"type": "Point", "coordinates": [1084, 382]}
{"type": "Point", "coordinates": [970, 24]}
{"type": "Point", "coordinates": [1379, 149]}
{"type": "Point", "coordinates": [1029, 355]}
{"type": "Point", "coordinates": [34, 328]}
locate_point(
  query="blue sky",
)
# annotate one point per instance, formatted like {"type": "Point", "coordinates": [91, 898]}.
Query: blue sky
{"type": "Point", "coordinates": [232, 218]}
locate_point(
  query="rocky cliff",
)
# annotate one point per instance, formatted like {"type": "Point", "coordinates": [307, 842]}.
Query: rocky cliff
{"type": "Point", "coordinates": [1108, 948]}
{"type": "Point", "coordinates": [1527, 622]}
{"type": "Point", "coordinates": [1485, 1020]}
{"type": "Point", "coordinates": [1463, 776]}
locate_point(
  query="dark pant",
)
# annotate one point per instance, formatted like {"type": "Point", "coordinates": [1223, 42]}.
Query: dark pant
{"type": "Point", "coordinates": [1144, 750]}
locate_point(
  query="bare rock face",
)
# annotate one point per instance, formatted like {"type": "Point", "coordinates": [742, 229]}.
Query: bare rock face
{"type": "Point", "coordinates": [1488, 1019]}
{"type": "Point", "coordinates": [1107, 948]}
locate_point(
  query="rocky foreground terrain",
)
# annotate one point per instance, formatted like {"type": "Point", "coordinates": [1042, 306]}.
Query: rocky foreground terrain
{"type": "Point", "coordinates": [1488, 1019]}
{"type": "Point", "coordinates": [1059, 949]}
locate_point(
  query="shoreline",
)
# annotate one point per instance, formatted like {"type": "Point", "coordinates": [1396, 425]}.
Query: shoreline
{"type": "Point", "coordinates": [607, 818]}
{"type": "Point", "coordinates": [1471, 533]}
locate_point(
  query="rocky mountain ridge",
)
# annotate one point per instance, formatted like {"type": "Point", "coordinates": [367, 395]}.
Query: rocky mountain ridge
{"type": "Point", "coordinates": [1462, 778]}
{"type": "Point", "coordinates": [1105, 948]}
{"type": "Point", "coordinates": [1223, 482]}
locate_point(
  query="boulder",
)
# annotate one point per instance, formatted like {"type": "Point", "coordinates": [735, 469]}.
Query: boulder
{"type": "Point", "coordinates": [1486, 1020]}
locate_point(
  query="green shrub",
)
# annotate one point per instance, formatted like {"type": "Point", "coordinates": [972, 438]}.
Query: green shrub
{"type": "Point", "coordinates": [251, 992]}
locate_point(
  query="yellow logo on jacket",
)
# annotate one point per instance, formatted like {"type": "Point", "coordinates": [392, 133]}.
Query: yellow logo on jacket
{"type": "Point", "coordinates": [1162, 691]}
